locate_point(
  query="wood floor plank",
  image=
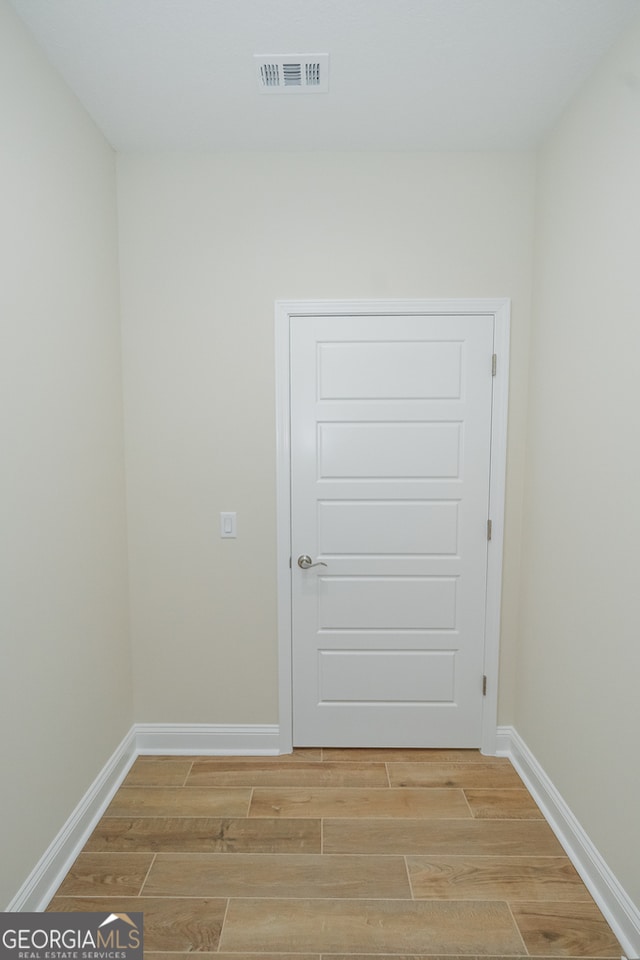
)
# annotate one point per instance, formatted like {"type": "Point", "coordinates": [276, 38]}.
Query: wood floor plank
{"type": "Point", "coordinates": [106, 874]}
{"type": "Point", "coordinates": [358, 802]}
{"type": "Point", "coordinates": [518, 838]}
{"type": "Point", "coordinates": [333, 956]}
{"type": "Point", "coordinates": [206, 835]}
{"type": "Point", "coordinates": [241, 956]}
{"type": "Point", "coordinates": [490, 774]}
{"type": "Point", "coordinates": [496, 878]}
{"type": "Point", "coordinates": [264, 875]}
{"type": "Point", "coordinates": [298, 755]}
{"type": "Point", "coordinates": [370, 926]}
{"type": "Point", "coordinates": [403, 754]}
{"type": "Point", "coordinates": [286, 774]}
{"type": "Point", "coordinates": [505, 804]}
{"type": "Point", "coordinates": [565, 930]}
{"type": "Point", "coordinates": [158, 772]}
{"type": "Point", "coordinates": [179, 802]}
{"type": "Point", "coordinates": [170, 923]}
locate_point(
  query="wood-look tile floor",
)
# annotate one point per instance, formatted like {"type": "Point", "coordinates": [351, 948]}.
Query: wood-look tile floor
{"type": "Point", "coordinates": [336, 854]}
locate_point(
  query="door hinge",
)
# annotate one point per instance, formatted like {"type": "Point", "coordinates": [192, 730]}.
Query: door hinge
{"type": "Point", "coordinates": [290, 563]}
{"type": "Point", "coordinates": [484, 686]}
{"type": "Point", "coordinates": [494, 364]}
{"type": "Point", "coordinates": [489, 529]}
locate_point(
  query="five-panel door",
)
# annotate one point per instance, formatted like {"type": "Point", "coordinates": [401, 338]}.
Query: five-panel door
{"type": "Point", "coordinates": [390, 463]}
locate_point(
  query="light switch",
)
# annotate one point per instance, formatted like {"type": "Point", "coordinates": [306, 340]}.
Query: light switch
{"type": "Point", "coordinates": [228, 525]}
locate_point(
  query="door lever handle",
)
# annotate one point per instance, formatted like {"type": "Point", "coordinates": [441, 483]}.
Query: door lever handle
{"type": "Point", "coordinates": [306, 562]}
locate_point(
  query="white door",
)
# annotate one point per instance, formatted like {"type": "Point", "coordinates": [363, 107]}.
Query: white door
{"type": "Point", "coordinates": [390, 460]}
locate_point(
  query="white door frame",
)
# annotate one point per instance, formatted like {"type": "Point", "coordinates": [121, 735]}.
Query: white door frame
{"type": "Point", "coordinates": [500, 309]}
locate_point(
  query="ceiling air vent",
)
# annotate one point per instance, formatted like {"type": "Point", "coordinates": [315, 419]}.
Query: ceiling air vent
{"type": "Point", "coordinates": [292, 73]}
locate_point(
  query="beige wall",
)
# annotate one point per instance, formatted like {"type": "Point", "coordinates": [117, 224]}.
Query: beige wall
{"type": "Point", "coordinates": [207, 244]}
{"type": "Point", "coordinates": [65, 680]}
{"type": "Point", "coordinates": [578, 702]}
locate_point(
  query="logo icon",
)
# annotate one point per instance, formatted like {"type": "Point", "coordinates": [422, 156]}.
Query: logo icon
{"type": "Point", "coordinates": [119, 916]}
{"type": "Point", "coordinates": [71, 936]}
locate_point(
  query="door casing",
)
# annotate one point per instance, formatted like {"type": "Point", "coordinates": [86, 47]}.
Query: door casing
{"type": "Point", "coordinates": [501, 311]}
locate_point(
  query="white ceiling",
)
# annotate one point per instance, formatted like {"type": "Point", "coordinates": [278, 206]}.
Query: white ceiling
{"type": "Point", "coordinates": [403, 75]}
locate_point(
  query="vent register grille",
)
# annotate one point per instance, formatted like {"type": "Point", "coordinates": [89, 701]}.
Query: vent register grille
{"type": "Point", "coordinates": [292, 73]}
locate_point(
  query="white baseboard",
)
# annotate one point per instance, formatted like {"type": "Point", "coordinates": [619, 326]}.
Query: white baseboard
{"type": "Point", "coordinates": [208, 739]}
{"type": "Point", "coordinates": [143, 738]}
{"type": "Point", "coordinates": [503, 741]}
{"type": "Point", "coordinates": [43, 881]}
{"type": "Point", "coordinates": [622, 915]}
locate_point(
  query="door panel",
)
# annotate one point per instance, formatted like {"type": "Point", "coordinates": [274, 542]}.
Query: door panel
{"type": "Point", "coordinates": [374, 451]}
{"type": "Point", "coordinates": [387, 370]}
{"type": "Point", "coordinates": [386, 675]}
{"type": "Point", "coordinates": [386, 603]}
{"type": "Point", "coordinates": [390, 456]}
{"type": "Point", "coordinates": [392, 527]}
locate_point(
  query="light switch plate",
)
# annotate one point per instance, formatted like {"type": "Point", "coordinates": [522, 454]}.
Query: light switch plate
{"type": "Point", "coordinates": [228, 525]}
